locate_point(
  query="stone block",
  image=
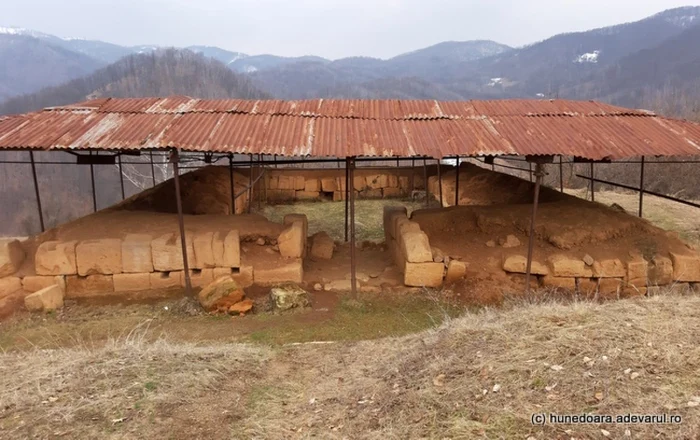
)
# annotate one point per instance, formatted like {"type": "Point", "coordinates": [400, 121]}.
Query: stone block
{"type": "Point", "coordinates": [587, 287]}
{"type": "Point", "coordinates": [9, 285]}
{"type": "Point", "coordinates": [518, 264]}
{"type": "Point", "coordinates": [203, 245]}
{"type": "Point", "coordinates": [291, 271]}
{"type": "Point", "coordinates": [34, 283]}
{"type": "Point", "coordinates": [686, 268]}
{"type": "Point", "coordinates": [396, 255]}
{"type": "Point", "coordinates": [374, 181]}
{"type": "Point", "coordinates": [243, 275]}
{"type": "Point", "coordinates": [166, 251]}
{"type": "Point", "coordinates": [56, 258]}
{"type": "Point", "coordinates": [565, 266]}
{"type": "Point", "coordinates": [130, 282]}
{"type": "Point", "coordinates": [415, 247]}
{"type": "Point", "coordinates": [609, 287]}
{"type": "Point", "coordinates": [403, 225]}
{"type": "Point", "coordinates": [612, 268]}
{"type": "Point", "coordinates": [46, 299]}
{"type": "Point", "coordinates": [273, 182]}
{"type": "Point", "coordinates": [89, 286]}
{"type": "Point", "coordinates": [660, 271]}
{"type": "Point", "coordinates": [292, 241]}
{"type": "Point", "coordinates": [563, 283]}
{"type": "Point", "coordinates": [198, 277]}
{"type": "Point", "coordinates": [299, 183]}
{"type": "Point", "coordinates": [423, 274]}
{"type": "Point", "coordinates": [340, 183]}
{"type": "Point", "coordinates": [11, 256]}
{"type": "Point", "coordinates": [359, 183]}
{"type": "Point", "coordinates": [388, 219]}
{"type": "Point", "coordinates": [291, 218]}
{"type": "Point", "coordinates": [312, 185]}
{"type": "Point", "coordinates": [328, 184]}
{"type": "Point", "coordinates": [404, 183]}
{"type": "Point", "coordinates": [226, 248]}
{"type": "Point", "coordinates": [338, 196]}
{"type": "Point", "coordinates": [637, 272]}
{"type": "Point", "coordinates": [136, 253]}
{"type": "Point", "coordinates": [286, 183]}
{"type": "Point", "coordinates": [456, 270]}
{"type": "Point", "coordinates": [103, 256]}
{"type": "Point", "coordinates": [631, 291]}
{"type": "Point", "coordinates": [392, 181]}
{"type": "Point", "coordinates": [165, 280]}
{"type": "Point", "coordinates": [322, 246]}
{"type": "Point", "coordinates": [307, 195]}
{"type": "Point", "coordinates": [220, 294]}
{"type": "Point", "coordinates": [392, 193]}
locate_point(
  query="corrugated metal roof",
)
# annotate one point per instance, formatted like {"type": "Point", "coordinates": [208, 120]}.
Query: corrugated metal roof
{"type": "Point", "coordinates": [340, 128]}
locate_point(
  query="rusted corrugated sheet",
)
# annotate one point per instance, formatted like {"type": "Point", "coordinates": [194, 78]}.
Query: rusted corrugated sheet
{"type": "Point", "coordinates": [340, 128]}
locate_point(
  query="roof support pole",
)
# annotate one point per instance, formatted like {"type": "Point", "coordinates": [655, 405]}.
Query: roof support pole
{"type": "Point", "coordinates": [439, 168]}
{"type": "Point", "coordinates": [121, 175]}
{"type": "Point", "coordinates": [561, 173]}
{"type": "Point", "coordinates": [641, 188]}
{"type": "Point", "coordinates": [353, 279]}
{"type": "Point", "coordinates": [457, 181]}
{"type": "Point", "coordinates": [274, 159]}
{"type": "Point", "coordinates": [260, 171]}
{"type": "Point", "coordinates": [530, 165]}
{"type": "Point", "coordinates": [36, 191]}
{"type": "Point", "coordinates": [250, 184]}
{"type": "Point", "coordinates": [425, 178]}
{"type": "Point", "coordinates": [153, 168]}
{"type": "Point", "coordinates": [92, 181]}
{"type": "Point", "coordinates": [413, 180]}
{"type": "Point", "coordinates": [347, 198]}
{"type": "Point", "coordinates": [539, 173]}
{"type": "Point", "coordinates": [174, 159]}
{"type": "Point", "coordinates": [232, 184]}
{"type": "Point", "coordinates": [592, 184]}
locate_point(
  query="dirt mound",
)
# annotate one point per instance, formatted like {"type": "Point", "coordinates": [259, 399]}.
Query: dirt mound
{"type": "Point", "coordinates": [479, 186]}
{"type": "Point", "coordinates": [204, 191]}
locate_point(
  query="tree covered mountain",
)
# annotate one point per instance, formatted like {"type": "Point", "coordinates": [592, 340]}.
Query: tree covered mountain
{"type": "Point", "coordinates": [160, 73]}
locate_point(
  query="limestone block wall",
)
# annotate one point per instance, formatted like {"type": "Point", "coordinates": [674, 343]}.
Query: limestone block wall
{"type": "Point", "coordinates": [421, 265]}
{"type": "Point", "coordinates": [138, 265]}
{"type": "Point", "coordinates": [611, 278]}
{"type": "Point", "coordinates": [284, 185]}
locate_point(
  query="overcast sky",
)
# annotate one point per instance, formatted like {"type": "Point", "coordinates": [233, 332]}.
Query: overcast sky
{"type": "Point", "coordinates": [330, 28]}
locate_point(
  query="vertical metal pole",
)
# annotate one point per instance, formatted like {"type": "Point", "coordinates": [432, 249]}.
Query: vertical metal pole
{"type": "Point", "coordinates": [36, 191]}
{"type": "Point", "coordinates": [121, 175]}
{"type": "Point", "coordinates": [174, 159]}
{"type": "Point", "coordinates": [561, 173]}
{"type": "Point", "coordinates": [439, 165]}
{"type": "Point", "coordinates": [493, 164]}
{"type": "Point", "coordinates": [274, 159]}
{"type": "Point", "coordinates": [347, 197]}
{"type": "Point", "coordinates": [530, 165]}
{"type": "Point", "coordinates": [260, 180]}
{"type": "Point", "coordinates": [153, 168]}
{"type": "Point", "coordinates": [413, 175]}
{"type": "Point", "coordinates": [353, 279]}
{"type": "Point", "coordinates": [531, 239]}
{"type": "Point", "coordinates": [425, 178]}
{"type": "Point", "coordinates": [92, 180]}
{"type": "Point", "coordinates": [592, 184]}
{"type": "Point", "coordinates": [233, 185]}
{"type": "Point", "coordinates": [641, 188]}
{"type": "Point", "coordinates": [250, 184]}
{"type": "Point", "coordinates": [457, 181]}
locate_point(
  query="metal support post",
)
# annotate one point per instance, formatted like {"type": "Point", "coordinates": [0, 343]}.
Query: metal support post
{"type": "Point", "coordinates": [539, 173]}
{"type": "Point", "coordinates": [439, 168]}
{"type": "Point", "coordinates": [92, 181]}
{"type": "Point", "coordinates": [174, 159]}
{"type": "Point", "coordinates": [36, 191]}
{"type": "Point", "coordinates": [641, 188]}
{"type": "Point", "coordinates": [561, 173]}
{"type": "Point", "coordinates": [250, 184]}
{"type": "Point", "coordinates": [153, 168]}
{"type": "Point", "coordinates": [121, 176]}
{"type": "Point", "coordinates": [457, 181]}
{"type": "Point", "coordinates": [425, 178]}
{"type": "Point", "coordinates": [232, 183]}
{"type": "Point", "coordinates": [353, 278]}
{"type": "Point", "coordinates": [347, 198]}
{"type": "Point", "coordinates": [592, 184]}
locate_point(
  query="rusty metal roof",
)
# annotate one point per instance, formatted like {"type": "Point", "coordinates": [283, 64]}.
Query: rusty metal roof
{"type": "Point", "coordinates": [340, 128]}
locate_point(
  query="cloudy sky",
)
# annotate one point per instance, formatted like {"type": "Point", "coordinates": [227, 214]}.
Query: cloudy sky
{"type": "Point", "coordinates": [330, 28]}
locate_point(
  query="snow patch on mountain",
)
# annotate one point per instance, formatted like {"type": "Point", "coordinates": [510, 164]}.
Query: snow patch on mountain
{"type": "Point", "coordinates": [589, 57]}
{"type": "Point", "coordinates": [683, 21]}
{"type": "Point", "coordinates": [250, 69]}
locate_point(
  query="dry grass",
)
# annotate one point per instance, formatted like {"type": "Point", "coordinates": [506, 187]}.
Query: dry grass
{"type": "Point", "coordinates": [330, 216]}
{"type": "Point", "coordinates": [435, 384]}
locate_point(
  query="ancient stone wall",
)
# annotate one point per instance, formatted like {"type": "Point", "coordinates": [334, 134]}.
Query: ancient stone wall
{"type": "Point", "coordinates": [286, 185]}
